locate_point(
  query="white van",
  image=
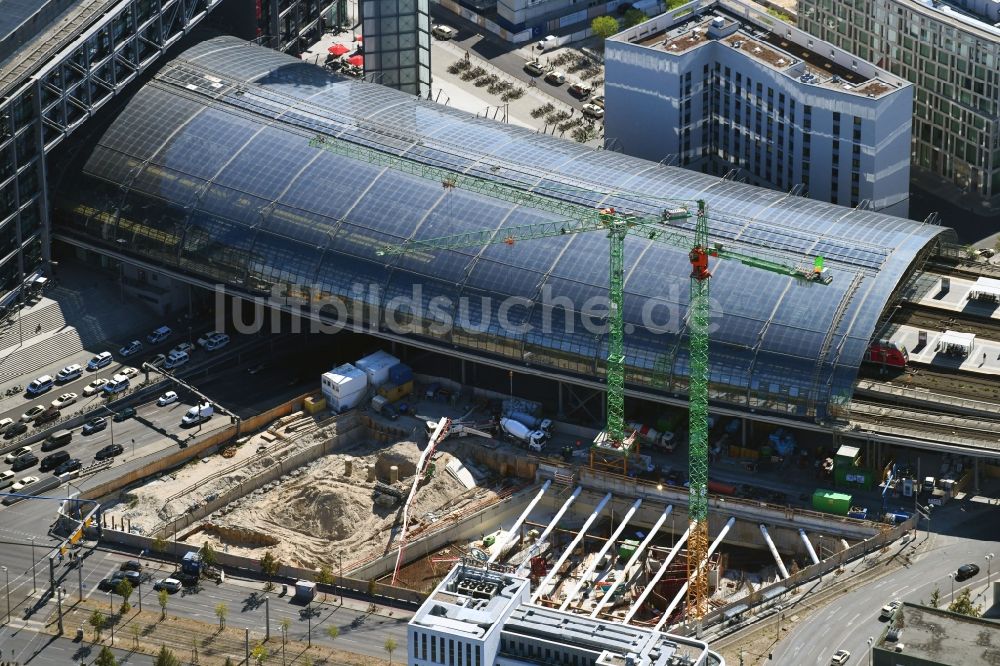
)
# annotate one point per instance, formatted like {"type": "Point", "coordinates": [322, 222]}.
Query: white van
{"type": "Point", "coordinates": [117, 384]}
{"type": "Point", "coordinates": [159, 335]}
{"type": "Point", "coordinates": [40, 385]}
{"type": "Point", "coordinates": [176, 359]}
{"type": "Point", "coordinates": [218, 342]}
{"type": "Point", "coordinates": [198, 414]}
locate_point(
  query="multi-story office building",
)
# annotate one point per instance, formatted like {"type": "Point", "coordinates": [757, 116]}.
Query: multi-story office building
{"type": "Point", "coordinates": [481, 616]}
{"type": "Point", "coordinates": [715, 86]}
{"type": "Point", "coordinates": [397, 38]}
{"type": "Point", "coordinates": [952, 56]}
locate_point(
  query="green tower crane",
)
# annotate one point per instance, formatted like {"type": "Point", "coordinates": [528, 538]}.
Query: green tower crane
{"type": "Point", "coordinates": [618, 226]}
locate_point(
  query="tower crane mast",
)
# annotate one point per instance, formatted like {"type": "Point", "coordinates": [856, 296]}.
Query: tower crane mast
{"type": "Point", "coordinates": [617, 226]}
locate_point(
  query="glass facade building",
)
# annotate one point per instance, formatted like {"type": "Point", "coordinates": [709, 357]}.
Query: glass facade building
{"type": "Point", "coordinates": [953, 59]}
{"type": "Point", "coordinates": [212, 173]}
{"type": "Point", "coordinates": [397, 39]}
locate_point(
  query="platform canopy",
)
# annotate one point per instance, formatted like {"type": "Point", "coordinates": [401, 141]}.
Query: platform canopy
{"type": "Point", "coordinates": [952, 339]}
{"type": "Point", "coordinates": [985, 287]}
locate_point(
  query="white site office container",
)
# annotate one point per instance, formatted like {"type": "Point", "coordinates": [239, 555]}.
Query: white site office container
{"type": "Point", "coordinates": [377, 367]}
{"type": "Point", "coordinates": [344, 387]}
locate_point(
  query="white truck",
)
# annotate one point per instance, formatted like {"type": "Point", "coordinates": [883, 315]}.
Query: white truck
{"type": "Point", "coordinates": [533, 422]}
{"type": "Point", "coordinates": [647, 435]}
{"type": "Point", "coordinates": [534, 440]}
{"type": "Point", "coordinates": [198, 414]}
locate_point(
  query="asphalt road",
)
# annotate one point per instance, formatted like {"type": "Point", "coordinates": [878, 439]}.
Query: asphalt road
{"type": "Point", "coordinates": [24, 646]}
{"type": "Point", "coordinates": [967, 533]}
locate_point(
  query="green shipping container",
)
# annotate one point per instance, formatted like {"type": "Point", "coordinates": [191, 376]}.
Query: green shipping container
{"type": "Point", "coordinates": [853, 476]}
{"type": "Point", "coordinates": [830, 501]}
{"type": "Point", "coordinates": [627, 549]}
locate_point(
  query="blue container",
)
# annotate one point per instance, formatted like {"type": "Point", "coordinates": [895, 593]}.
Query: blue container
{"type": "Point", "coordinates": [400, 374]}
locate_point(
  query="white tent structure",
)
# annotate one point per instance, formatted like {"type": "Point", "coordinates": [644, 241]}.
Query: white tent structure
{"type": "Point", "coordinates": [953, 343]}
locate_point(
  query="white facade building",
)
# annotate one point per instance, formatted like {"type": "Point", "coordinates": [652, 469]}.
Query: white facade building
{"type": "Point", "coordinates": [718, 85]}
{"type": "Point", "coordinates": [481, 616]}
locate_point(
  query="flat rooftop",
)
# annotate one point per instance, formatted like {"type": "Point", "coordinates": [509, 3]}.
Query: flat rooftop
{"type": "Point", "coordinates": [954, 14]}
{"type": "Point", "coordinates": [938, 635]}
{"type": "Point", "coordinates": [718, 23]}
{"type": "Point", "coordinates": [33, 31]}
{"type": "Point", "coordinates": [471, 600]}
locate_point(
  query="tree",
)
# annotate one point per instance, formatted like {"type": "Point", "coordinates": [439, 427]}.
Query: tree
{"type": "Point", "coordinates": [221, 610]}
{"type": "Point", "coordinates": [160, 545]}
{"type": "Point", "coordinates": [97, 621]}
{"type": "Point", "coordinates": [166, 658]}
{"type": "Point", "coordinates": [604, 26]}
{"type": "Point", "coordinates": [259, 652]}
{"type": "Point", "coordinates": [333, 631]}
{"type": "Point", "coordinates": [124, 590]}
{"type": "Point", "coordinates": [390, 645]}
{"type": "Point", "coordinates": [935, 598]}
{"type": "Point", "coordinates": [324, 577]}
{"type": "Point", "coordinates": [163, 597]}
{"type": "Point", "coordinates": [634, 17]}
{"type": "Point", "coordinates": [963, 605]}
{"type": "Point", "coordinates": [106, 658]}
{"type": "Point", "coordinates": [284, 624]}
{"type": "Point", "coordinates": [208, 556]}
{"type": "Point", "coordinates": [674, 4]}
{"type": "Point", "coordinates": [269, 566]}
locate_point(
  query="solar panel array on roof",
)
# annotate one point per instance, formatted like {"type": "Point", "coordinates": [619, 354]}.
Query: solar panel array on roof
{"type": "Point", "coordinates": [210, 171]}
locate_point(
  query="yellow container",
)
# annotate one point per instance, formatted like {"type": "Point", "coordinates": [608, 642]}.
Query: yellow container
{"type": "Point", "coordinates": [314, 404]}
{"type": "Point", "coordinates": [395, 392]}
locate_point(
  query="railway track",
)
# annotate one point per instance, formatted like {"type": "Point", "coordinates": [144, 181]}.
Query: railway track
{"type": "Point", "coordinates": [965, 430]}
{"type": "Point", "coordinates": [926, 316]}
{"type": "Point", "coordinates": [964, 269]}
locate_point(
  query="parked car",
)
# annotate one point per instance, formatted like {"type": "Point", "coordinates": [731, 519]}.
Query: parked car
{"type": "Point", "coordinates": [444, 32]}
{"type": "Point", "coordinates": [49, 414]}
{"type": "Point", "coordinates": [65, 400]}
{"type": "Point", "coordinates": [70, 465]}
{"type": "Point", "coordinates": [102, 360]}
{"type": "Point", "coordinates": [131, 348]}
{"type": "Point", "coordinates": [966, 571]}
{"type": "Point", "coordinates": [840, 658]}
{"type": "Point", "coordinates": [556, 78]}
{"type": "Point", "coordinates": [128, 372]}
{"type": "Point", "coordinates": [157, 361]}
{"type": "Point", "coordinates": [116, 384]}
{"type": "Point", "coordinates": [24, 462]}
{"type": "Point", "coordinates": [17, 453]}
{"type": "Point", "coordinates": [580, 90]}
{"type": "Point", "coordinates": [6, 478]}
{"type": "Point", "coordinates": [5, 423]}
{"type": "Point", "coordinates": [167, 398]}
{"type": "Point", "coordinates": [96, 424]}
{"type": "Point", "coordinates": [131, 565]}
{"type": "Point", "coordinates": [203, 340]}
{"type": "Point", "coordinates": [32, 413]}
{"type": "Point", "coordinates": [94, 386]}
{"type": "Point", "coordinates": [159, 335]}
{"type": "Point", "coordinates": [109, 451]}
{"type": "Point", "coordinates": [53, 460]}
{"type": "Point", "coordinates": [133, 577]}
{"type": "Point", "coordinates": [111, 582]}
{"type": "Point", "coordinates": [186, 347]}
{"type": "Point", "coordinates": [69, 373]}
{"type": "Point", "coordinates": [171, 585]}
{"type": "Point", "coordinates": [599, 101]}
{"type": "Point", "coordinates": [176, 360]}
{"type": "Point", "coordinates": [123, 415]}
{"type": "Point", "coordinates": [15, 429]}
{"type": "Point", "coordinates": [534, 68]}
{"type": "Point", "coordinates": [218, 342]}
{"type": "Point", "coordinates": [593, 111]}
{"type": "Point", "coordinates": [888, 610]}
{"type": "Point", "coordinates": [40, 385]}
{"type": "Point", "coordinates": [24, 483]}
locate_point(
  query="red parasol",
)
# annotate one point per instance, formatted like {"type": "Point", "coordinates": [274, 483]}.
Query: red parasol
{"type": "Point", "coordinates": [338, 49]}
{"type": "Point", "coordinates": [357, 61]}
{"type": "Point", "coordinates": [357, 38]}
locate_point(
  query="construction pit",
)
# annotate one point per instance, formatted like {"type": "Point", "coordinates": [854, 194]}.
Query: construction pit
{"type": "Point", "coordinates": [330, 492]}
{"type": "Point", "coordinates": [312, 494]}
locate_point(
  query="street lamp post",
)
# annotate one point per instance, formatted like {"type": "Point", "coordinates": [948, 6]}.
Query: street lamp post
{"type": "Point", "coordinates": [34, 584]}
{"type": "Point", "coordinates": [952, 577]}
{"type": "Point", "coordinates": [6, 575]}
{"type": "Point", "coordinates": [870, 641]}
{"type": "Point", "coordinates": [989, 561]}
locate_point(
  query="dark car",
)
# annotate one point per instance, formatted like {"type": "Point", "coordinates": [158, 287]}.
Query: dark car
{"type": "Point", "coordinates": [966, 571]}
{"type": "Point", "coordinates": [24, 462]}
{"type": "Point", "coordinates": [111, 582]}
{"type": "Point", "coordinates": [131, 565]}
{"type": "Point", "coordinates": [109, 451]}
{"type": "Point", "coordinates": [186, 579]}
{"type": "Point", "coordinates": [95, 425]}
{"type": "Point", "coordinates": [57, 440]}
{"type": "Point", "coordinates": [133, 577]}
{"type": "Point", "coordinates": [70, 465]}
{"type": "Point", "coordinates": [126, 413]}
{"type": "Point", "coordinates": [15, 429]}
{"type": "Point", "coordinates": [50, 414]}
{"type": "Point", "coordinates": [53, 460]}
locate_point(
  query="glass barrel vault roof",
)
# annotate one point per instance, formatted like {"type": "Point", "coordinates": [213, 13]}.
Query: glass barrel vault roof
{"type": "Point", "coordinates": [209, 171]}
